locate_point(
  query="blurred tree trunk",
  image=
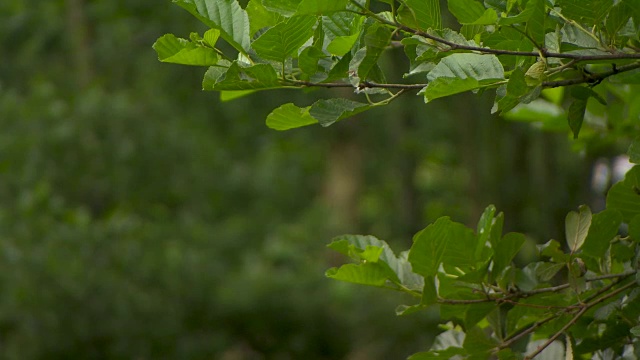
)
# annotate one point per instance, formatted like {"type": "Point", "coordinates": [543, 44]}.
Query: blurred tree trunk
{"type": "Point", "coordinates": [408, 205]}
{"type": "Point", "coordinates": [474, 149]}
{"type": "Point", "coordinates": [343, 183]}
{"type": "Point", "coordinates": [79, 42]}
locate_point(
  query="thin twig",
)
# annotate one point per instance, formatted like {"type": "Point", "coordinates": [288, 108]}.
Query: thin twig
{"type": "Point", "coordinates": [510, 340]}
{"type": "Point", "coordinates": [454, 46]}
{"type": "Point", "coordinates": [593, 78]}
{"type": "Point", "coordinates": [583, 309]}
{"type": "Point", "coordinates": [557, 334]}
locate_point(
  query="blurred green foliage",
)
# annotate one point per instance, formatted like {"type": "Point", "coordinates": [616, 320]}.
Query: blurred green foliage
{"type": "Point", "coordinates": [143, 219]}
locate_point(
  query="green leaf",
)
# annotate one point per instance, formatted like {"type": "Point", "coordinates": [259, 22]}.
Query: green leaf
{"type": "Point", "coordinates": [484, 230]}
{"type": "Point", "coordinates": [224, 15]}
{"type": "Point", "coordinates": [581, 95]}
{"type": "Point", "coordinates": [321, 7]}
{"type": "Point", "coordinates": [634, 151]}
{"type": "Point", "coordinates": [618, 17]}
{"type": "Point", "coordinates": [546, 271]}
{"type": "Point", "coordinates": [284, 7]}
{"type": "Point", "coordinates": [535, 22]}
{"type": "Point", "coordinates": [234, 94]}
{"type": "Point", "coordinates": [477, 312]}
{"type": "Point", "coordinates": [342, 24]}
{"type": "Point", "coordinates": [211, 37]}
{"type": "Point", "coordinates": [506, 250]}
{"type": "Point", "coordinates": [376, 38]}
{"type": "Point", "coordinates": [284, 39]}
{"type": "Point", "coordinates": [577, 227]}
{"type": "Point", "coordinates": [342, 44]}
{"type": "Point", "coordinates": [576, 115]}
{"type": "Point", "coordinates": [462, 72]}
{"type": "Point", "coordinates": [260, 17]}
{"type": "Point", "coordinates": [604, 227]}
{"type": "Point", "coordinates": [365, 274]}
{"type": "Point", "coordinates": [289, 116]}
{"type": "Point", "coordinates": [442, 354]}
{"type": "Point", "coordinates": [359, 248]}
{"type": "Point", "coordinates": [625, 195]}
{"type": "Point", "coordinates": [471, 12]}
{"type": "Point", "coordinates": [308, 59]}
{"type": "Point", "coordinates": [443, 241]}
{"type": "Point", "coordinates": [343, 30]}
{"type": "Point", "coordinates": [329, 111]}
{"type": "Point", "coordinates": [256, 77]}
{"type": "Point", "coordinates": [634, 228]}
{"type": "Point", "coordinates": [429, 291]}
{"type": "Point", "coordinates": [421, 14]}
{"type": "Point", "coordinates": [175, 50]}
{"type": "Point", "coordinates": [591, 12]}
{"type": "Point", "coordinates": [476, 342]}
{"type": "Point", "coordinates": [516, 88]}
{"type": "Point", "coordinates": [552, 249]}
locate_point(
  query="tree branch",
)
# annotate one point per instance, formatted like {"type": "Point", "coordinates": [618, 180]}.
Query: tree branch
{"type": "Point", "coordinates": [455, 46]}
{"type": "Point", "coordinates": [593, 78]}
{"type": "Point", "coordinates": [557, 334]}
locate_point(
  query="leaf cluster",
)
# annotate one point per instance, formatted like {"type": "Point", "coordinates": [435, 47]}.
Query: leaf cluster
{"type": "Point", "coordinates": [518, 48]}
{"type": "Point", "coordinates": [581, 293]}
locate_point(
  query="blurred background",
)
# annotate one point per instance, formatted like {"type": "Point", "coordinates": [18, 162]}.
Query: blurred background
{"type": "Point", "coordinates": [141, 218]}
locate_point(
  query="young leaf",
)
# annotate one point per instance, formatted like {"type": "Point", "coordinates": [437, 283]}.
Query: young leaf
{"type": "Point", "coordinates": [224, 15]}
{"type": "Point", "coordinates": [604, 226]}
{"type": "Point", "coordinates": [442, 241]}
{"type": "Point", "coordinates": [484, 229]}
{"type": "Point", "coordinates": [343, 31]}
{"type": "Point", "coordinates": [329, 111]}
{"type": "Point", "coordinates": [260, 76]}
{"type": "Point", "coordinates": [634, 228]}
{"type": "Point", "coordinates": [398, 269]}
{"type": "Point", "coordinates": [229, 95]}
{"type": "Point", "coordinates": [634, 151]}
{"type": "Point", "coordinates": [591, 12]}
{"type": "Point", "coordinates": [377, 37]}
{"type": "Point", "coordinates": [581, 95]}
{"type": "Point", "coordinates": [284, 39]}
{"type": "Point", "coordinates": [471, 12]}
{"type": "Point", "coordinates": [260, 17]}
{"type": "Point", "coordinates": [625, 195]}
{"type": "Point", "coordinates": [365, 274]}
{"type": "Point", "coordinates": [284, 7]}
{"type": "Point", "coordinates": [515, 89]}
{"type": "Point", "coordinates": [506, 250]}
{"type": "Point", "coordinates": [476, 342]}
{"type": "Point", "coordinates": [546, 271]}
{"type": "Point", "coordinates": [172, 49]}
{"type": "Point", "coordinates": [422, 14]}
{"type": "Point", "coordinates": [618, 17]}
{"type": "Point", "coordinates": [462, 72]}
{"type": "Point", "coordinates": [535, 22]}
{"type": "Point", "coordinates": [552, 249]}
{"type": "Point", "coordinates": [577, 227]}
{"type": "Point", "coordinates": [321, 7]}
{"type": "Point", "coordinates": [289, 116]}
{"type": "Point", "coordinates": [575, 115]}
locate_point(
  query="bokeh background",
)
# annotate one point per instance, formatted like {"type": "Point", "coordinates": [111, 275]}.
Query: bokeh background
{"type": "Point", "coordinates": [141, 218]}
